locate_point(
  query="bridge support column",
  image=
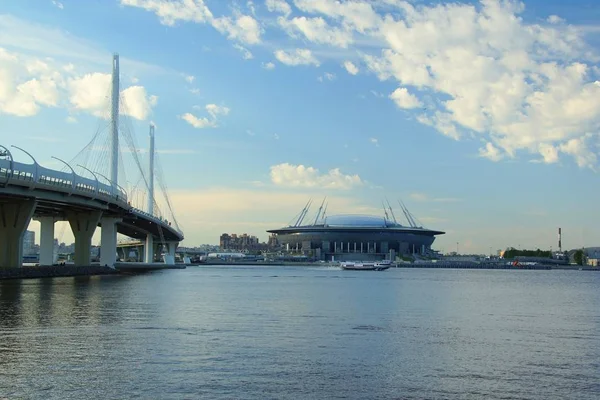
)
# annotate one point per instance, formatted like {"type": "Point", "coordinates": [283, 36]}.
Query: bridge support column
{"type": "Point", "coordinates": [83, 225]}
{"type": "Point", "coordinates": [14, 220]}
{"type": "Point", "coordinates": [149, 249]}
{"type": "Point", "coordinates": [169, 258]}
{"type": "Point", "coordinates": [46, 240]}
{"type": "Point", "coordinates": [108, 241]}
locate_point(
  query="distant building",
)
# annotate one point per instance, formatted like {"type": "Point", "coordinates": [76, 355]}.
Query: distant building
{"type": "Point", "coordinates": [29, 243]}
{"type": "Point", "coordinates": [240, 242]}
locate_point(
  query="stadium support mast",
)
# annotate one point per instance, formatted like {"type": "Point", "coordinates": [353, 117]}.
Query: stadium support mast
{"type": "Point", "coordinates": [407, 215]}
{"type": "Point", "coordinates": [319, 212]}
{"type": "Point", "coordinates": [391, 211]}
{"type": "Point", "coordinates": [303, 213]}
{"type": "Point", "coordinates": [387, 217]}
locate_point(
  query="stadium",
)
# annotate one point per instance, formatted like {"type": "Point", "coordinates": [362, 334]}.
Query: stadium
{"type": "Point", "coordinates": [356, 237]}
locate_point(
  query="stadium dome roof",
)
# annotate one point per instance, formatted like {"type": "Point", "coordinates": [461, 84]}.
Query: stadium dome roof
{"type": "Point", "coordinates": [350, 220]}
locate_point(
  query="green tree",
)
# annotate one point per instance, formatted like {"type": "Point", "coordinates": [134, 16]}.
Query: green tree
{"type": "Point", "coordinates": [578, 257]}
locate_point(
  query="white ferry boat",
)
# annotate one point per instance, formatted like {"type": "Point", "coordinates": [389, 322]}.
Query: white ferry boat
{"type": "Point", "coordinates": [366, 265]}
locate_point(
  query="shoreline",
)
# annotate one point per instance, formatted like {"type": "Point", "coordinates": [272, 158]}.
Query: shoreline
{"type": "Point", "coordinates": [63, 271]}
{"type": "Point", "coordinates": [424, 265]}
{"type": "Point", "coordinates": [55, 271]}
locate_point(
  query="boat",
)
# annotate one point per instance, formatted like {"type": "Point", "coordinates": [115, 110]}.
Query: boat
{"type": "Point", "coordinates": [366, 265]}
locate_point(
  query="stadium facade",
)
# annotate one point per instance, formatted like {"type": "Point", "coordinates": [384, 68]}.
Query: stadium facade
{"type": "Point", "coordinates": [356, 237]}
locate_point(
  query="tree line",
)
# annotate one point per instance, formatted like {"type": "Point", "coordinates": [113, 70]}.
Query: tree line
{"type": "Point", "coordinates": [512, 253]}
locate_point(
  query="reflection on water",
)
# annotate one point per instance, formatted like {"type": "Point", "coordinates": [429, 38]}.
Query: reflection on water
{"type": "Point", "coordinates": [289, 332]}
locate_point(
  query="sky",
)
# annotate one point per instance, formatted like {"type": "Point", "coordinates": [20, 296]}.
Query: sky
{"type": "Point", "coordinates": [483, 117]}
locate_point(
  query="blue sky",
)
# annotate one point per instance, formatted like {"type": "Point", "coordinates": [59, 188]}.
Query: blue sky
{"type": "Point", "coordinates": [482, 116]}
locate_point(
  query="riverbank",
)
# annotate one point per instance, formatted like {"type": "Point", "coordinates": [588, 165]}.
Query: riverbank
{"type": "Point", "coordinates": [55, 271]}
{"type": "Point", "coordinates": [421, 264]}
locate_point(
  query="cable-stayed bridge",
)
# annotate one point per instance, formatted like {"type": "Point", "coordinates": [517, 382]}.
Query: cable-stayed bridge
{"type": "Point", "coordinates": [89, 199]}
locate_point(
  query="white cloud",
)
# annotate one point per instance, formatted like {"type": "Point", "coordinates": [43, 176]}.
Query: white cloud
{"type": "Point", "coordinates": [243, 28]}
{"type": "Point", "coordinates": [246, 54]}
{"type": "Point", "coordinates": [91, 93]}
{"type": "Point", "coordinates": [214, 111]}
{"type": "Point", "coordinates": [189, 79]}
{"type": "Point", "coordinates": [357, 15]}
{"type": "Point", "coordinates": [555, 19]}
{"type": "Point", "coordinates": [269, 65]}
{"type": "Point", "coordinates": [136, 102]}
{"type": "Point", "coordinates": [27, 83]}
{"type": "Point", "coordinates": [58, 4]}
{"type": "Point", "coordinates": [579, 150]}
{"type": "Point", "coordinates": [549, 153]}
{"type": "Point", "coordinates": [351, 68]}
{"type": "Point", "coordinates": [250, 5]}
{"type": "Point", "coordinates": [491, 152]}
{"type": "Point", "coordinates": [280, 6]}
{"type": "Point", "coordinates": [171, 11]}
{"type": "Point", "coordinates": [308, 177]}
{"type": "Point", "coordinates": [198, 123]}
{"type": "Point", "coordinates": [404, 99]}
{"type": "Point", "coordinates": [493, 75]}
{"type": "Point", "coordinates": [317, 30]}
{"type": "Point", "coordinates": [327, 76]}
{"type": "Point", "coordinates": [297, 57]}
{"type": "Point", "coordinates": [375, 141]}
{"type": "Point", "coordinates": [25, 86]}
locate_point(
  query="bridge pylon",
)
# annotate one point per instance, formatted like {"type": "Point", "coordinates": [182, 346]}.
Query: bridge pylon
{"type": "Point", "coordinates": [83, 224]}
{"type": "Point", "coordinates": [15, 217]}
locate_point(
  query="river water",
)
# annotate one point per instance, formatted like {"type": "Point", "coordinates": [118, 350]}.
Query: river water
{"type": "Point", "coordinates": [299, 332]}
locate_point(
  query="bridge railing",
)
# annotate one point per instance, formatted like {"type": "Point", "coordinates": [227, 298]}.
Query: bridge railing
{"type": "Point", "coordinates": [35, 176]}
{"type": "Point", "coordinates": [157, 220]}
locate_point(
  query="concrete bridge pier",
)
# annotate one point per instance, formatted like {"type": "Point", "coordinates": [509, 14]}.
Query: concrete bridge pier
{"type": "Point", "coordinates": [46, 240]}
{"type": "Point", "coordinates": [15, 216]}
{"type": "Point", "coordinates": [170, 256]}
{"type": "Point", "coordinates": [108, 241]}
{"type": "Point", "coordinates": [83, 224]}
{"type": "Point", "coordinates": [149, 249]}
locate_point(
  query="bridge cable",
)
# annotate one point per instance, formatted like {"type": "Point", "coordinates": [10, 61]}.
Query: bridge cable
{"type": "Point", "coordinates": [163, 186]}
